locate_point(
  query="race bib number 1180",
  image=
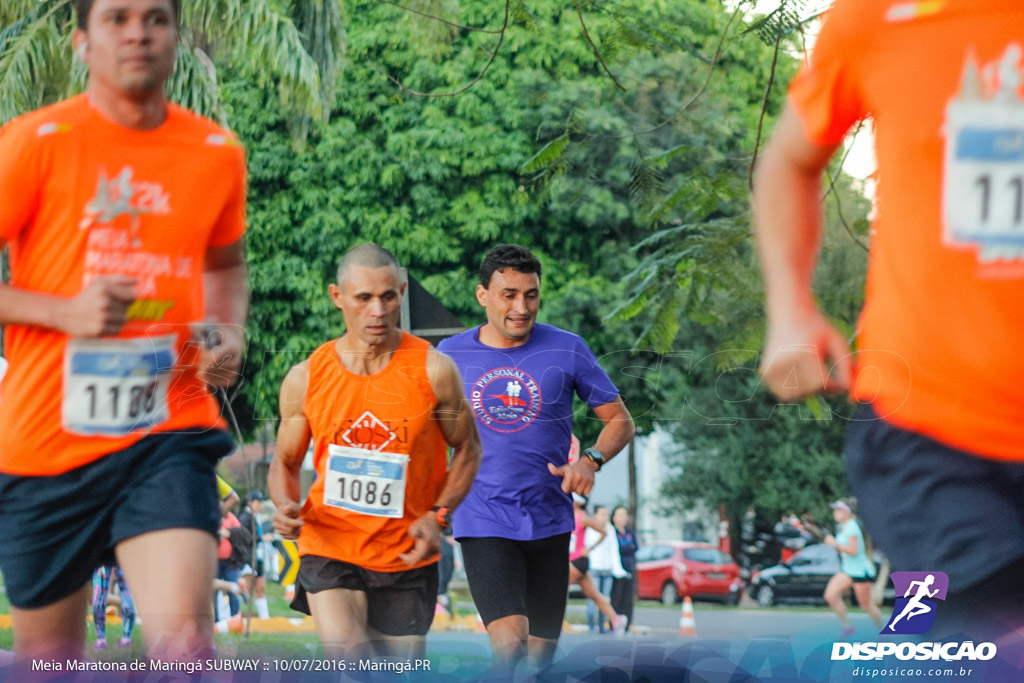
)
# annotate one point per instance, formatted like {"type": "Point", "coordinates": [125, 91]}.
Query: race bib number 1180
{"type": "Point", "coordinates": [983, 175]}
{"type": "Point", "coordinates": [113, 387]}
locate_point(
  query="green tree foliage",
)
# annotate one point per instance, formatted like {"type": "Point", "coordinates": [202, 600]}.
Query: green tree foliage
{"type": "Point", "coordinates": [738, 445]}
{"type": "Point", "coordinates": [292, 46]}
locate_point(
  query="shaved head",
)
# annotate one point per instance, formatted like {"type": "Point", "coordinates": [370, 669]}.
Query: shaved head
{"type": "Point", "coordinates": [367, 255]}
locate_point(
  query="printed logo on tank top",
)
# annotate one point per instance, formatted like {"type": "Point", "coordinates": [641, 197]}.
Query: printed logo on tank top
{"type": "Point", "coordinates": [371, 433]}
{"type": "Point", "coordinates": [506, 399]}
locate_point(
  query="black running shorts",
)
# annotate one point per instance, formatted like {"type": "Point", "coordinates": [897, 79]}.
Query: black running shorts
{"type": "Point", "coordinates": [55, 530]}
{"type": "Point", "coordinates": [929, 506]}
{"type": "Point", "coordinates": [397, 603]}
{"type": "Point", "coordinates": [528, 578]}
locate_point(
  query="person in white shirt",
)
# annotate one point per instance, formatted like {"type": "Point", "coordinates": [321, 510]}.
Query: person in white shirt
{"type": "Point", "coordinates": [605, 565]}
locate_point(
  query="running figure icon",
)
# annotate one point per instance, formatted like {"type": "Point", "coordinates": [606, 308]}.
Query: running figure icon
{"type": "Point", "coordinates": [914, 606]}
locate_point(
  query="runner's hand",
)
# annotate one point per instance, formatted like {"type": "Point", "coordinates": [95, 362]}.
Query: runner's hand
{"type": "Point", "coordinates": [795, 356]}
{"type": "Point", "coordinates": [220, 355]}
{"type": "Point", "coordinates": [577, 477]}
{"type": "Point", "coordinates": [427, 533]}
{"type": "Point", "coordinates": [288, 521]}
{"type": "Point", "coordinates": [100, 309]}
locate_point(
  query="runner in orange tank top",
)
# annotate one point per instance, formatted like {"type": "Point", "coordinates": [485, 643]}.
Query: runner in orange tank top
{"type": "Point", "coordinates": [381, 407]}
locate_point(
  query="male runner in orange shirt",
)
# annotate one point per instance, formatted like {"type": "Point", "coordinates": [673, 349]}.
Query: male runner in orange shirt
{"type": "Point", "coordinates": [124, 215]}
{"type": "Point", "coordinates": [935, 453]}
{"type": "Point", "coordinates": [382, 408]}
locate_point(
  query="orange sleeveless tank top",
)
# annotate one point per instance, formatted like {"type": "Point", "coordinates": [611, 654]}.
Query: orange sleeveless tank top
{"type": "Point", "coordinates": [378, 451]}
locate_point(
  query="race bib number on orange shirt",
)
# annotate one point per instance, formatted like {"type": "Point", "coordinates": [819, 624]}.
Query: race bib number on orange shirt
{"type": "Point", "coordinates": [983, 174]}
{"type": "Point", "coordinates": [113, 387]}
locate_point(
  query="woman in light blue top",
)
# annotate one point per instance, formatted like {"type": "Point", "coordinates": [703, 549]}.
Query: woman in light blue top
{"type": "Point", "coordinates": [855, 568]}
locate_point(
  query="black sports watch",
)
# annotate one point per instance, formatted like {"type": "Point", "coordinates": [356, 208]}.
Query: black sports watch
{"type": "Point", "coordinates": [596, 456]}
{"type": "Point", "coordinates": [444, 516]}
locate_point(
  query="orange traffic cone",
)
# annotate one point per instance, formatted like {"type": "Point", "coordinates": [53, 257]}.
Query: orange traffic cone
{"type": "Point", "coordinates": [687, 626]}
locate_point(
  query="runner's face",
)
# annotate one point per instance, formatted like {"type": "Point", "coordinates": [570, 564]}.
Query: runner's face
{"type": "Point", "coordinates": [511, 301]}
{"type": "Point", "coordinates": [129, 45]}
{"type": "Point", "coordinates": [371, 301]}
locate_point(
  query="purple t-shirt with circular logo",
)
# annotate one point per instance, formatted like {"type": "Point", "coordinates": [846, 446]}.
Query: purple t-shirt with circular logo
{"type": "Point", "coordinates": [522, 399]}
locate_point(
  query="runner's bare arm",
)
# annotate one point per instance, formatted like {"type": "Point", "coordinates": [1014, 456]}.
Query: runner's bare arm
{"type": "Point", "coordinates": [578, 477]}
{"type": "Point", "coordinates": [292, 443]}
{"type": "Point", "coordinates": [99, 309]}
{"type": "Point", "coordinates": [618, 428]}
{"type": "Point", "coordinates": [801, 344]}
{"type": "Point", "coordinates": [225, 282]}
{"type": "Point", "coordinates": [459, 429]}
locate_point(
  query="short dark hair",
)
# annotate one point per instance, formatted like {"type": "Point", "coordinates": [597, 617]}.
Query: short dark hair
{"type": "Point", "coordinates": [83, 7]}
{"type": "Point", "coordinates": [367, 255]}
{"type": "Point", "coordinates": [505, 256]}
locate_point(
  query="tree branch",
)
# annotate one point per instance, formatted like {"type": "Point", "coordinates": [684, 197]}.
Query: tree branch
{"type": "Point", "coordinates": [703, 88]}
{"type": "Point", "coordinates": [441, 19]}
{"type": "Point", "coordinates": [764, 111]}
{"type": "Point", "coordinates": [490, 60]}
{"type": "Point", "coordinates": [842, 218]}
{"type": "Point", "coordinates": [597, 53]}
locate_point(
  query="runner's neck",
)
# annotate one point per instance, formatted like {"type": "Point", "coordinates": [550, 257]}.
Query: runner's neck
{"type": "Point", "coordinates": [147, 113]}
{"type": "Point", "coordinates": [366, 359]}
{"type": "Point", "coordinates": [489, 337]}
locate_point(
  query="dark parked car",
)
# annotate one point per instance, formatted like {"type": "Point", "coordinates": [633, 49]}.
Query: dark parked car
{"type": "Point", "coordinates": [802, 579]}
{"type": "Point", "coordinates": [669, 570]}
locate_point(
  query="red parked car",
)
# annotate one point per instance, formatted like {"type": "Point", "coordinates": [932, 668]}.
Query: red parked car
{"type": "Point", "coordinates": [669, 570]}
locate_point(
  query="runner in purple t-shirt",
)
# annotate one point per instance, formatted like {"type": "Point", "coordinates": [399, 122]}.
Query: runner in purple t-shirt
{"type": "Point", "coordinates": [514, 525]}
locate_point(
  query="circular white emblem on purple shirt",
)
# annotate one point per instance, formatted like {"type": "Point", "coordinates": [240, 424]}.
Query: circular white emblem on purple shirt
{"type": "Point", "coordinates": [506, 399]}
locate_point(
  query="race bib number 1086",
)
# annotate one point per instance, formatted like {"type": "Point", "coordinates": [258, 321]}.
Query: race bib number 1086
{"type": "Point", "coordinates": [364, 481]}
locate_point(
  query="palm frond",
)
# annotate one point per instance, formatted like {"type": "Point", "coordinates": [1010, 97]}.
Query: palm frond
{"type": "Point", "coordinates": [193, 84]}
{"type": "Point", "coordinates": [323, 27]}
{"type": "Point", "coordinates": [28, 60]}
{"type": "Point", "coordinates": [13, 11]}
{"type": "Point", "coordinates": [300, 46]}
{"type": "Point", "coordinates": [548, 155]}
